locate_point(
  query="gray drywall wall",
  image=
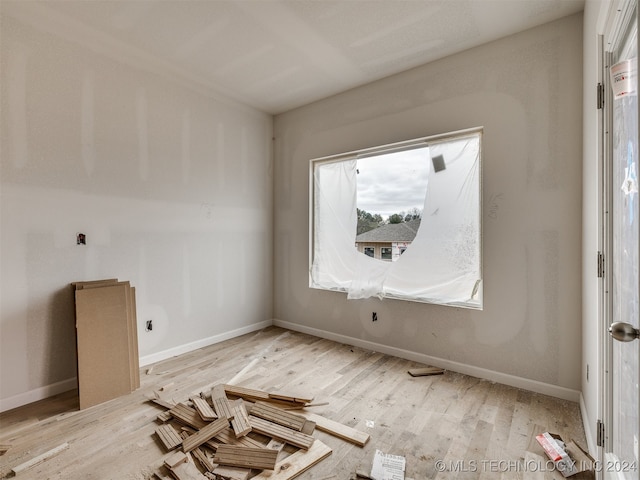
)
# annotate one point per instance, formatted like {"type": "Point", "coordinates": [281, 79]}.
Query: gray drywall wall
{"type": "Point", "coordinates": [171, 184]}
{"type": "Point", "coordinates": [526, 91]}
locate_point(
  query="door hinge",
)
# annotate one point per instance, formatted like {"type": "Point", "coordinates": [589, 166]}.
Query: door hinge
{"type": "Point", "coordinates": [600, 434]}
{"type": "Point", "coordinates": [600, 265]}
{"type": "Point", "coordinates": [600, 96]}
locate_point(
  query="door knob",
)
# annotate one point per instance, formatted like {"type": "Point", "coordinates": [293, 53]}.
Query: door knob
{"type": "Point", "coordinates": [623, 332]}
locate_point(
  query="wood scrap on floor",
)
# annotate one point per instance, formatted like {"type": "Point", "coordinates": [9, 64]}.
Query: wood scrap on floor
{"type": "Point", "coordinates": [169, 436]}
{"type": "Point", "coordinates": [240, 422]}
{"type": "Point", "coordinates": [187, 416]}
{"type": "Point", "coordinates": [221, 403]}
{"type": "Point", "coordinates": [161, 401]}
{"type": "Point", "coordinates": [297, 463]}
{"type": "Point", "coordinates": [185, 469]}
{"type": "Point", "coordinates": [290, 397]}
{"type": "Point", "coordinates": [425, 371]}
{"type": "Point", "coordinates": [39, 459]}
{"type": "Point", "coordinates": [307, 405]}
{"type": "Point", "coordinates": [258, 458]}
{"type": "Point", "coordinates": [254, 395]}
{"type": "Point", "coordinates": [203, 459]}
{"type": "Point", "coordinates": [4, 449]}
{"type": "Point", "coordinates": [277, 415]}
{"type": "Point", "coordinates": [232, 473]}
{"type": "Point", "coordinates": [248, 435]}
{"type": "Point", "coordinates": [175, 459]}
{"type": "Point", "coordinates": [204, 409]}
{"type": "Point", "coordinates": [228, 436]}
{"type": "Point", "coordinates": [270, 429]}
{"type": "Point", "coordinates": [204, 434]}
{"type": "Point", "coordinates": [338, 429]}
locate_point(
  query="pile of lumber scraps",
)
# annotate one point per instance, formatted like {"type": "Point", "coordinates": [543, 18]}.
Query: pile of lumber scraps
{"type": "Point", "coordinates": [237, 433]}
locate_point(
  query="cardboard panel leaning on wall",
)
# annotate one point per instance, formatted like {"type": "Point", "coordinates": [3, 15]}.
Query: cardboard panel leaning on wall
{"type": "Point", "coordinates": [107, 341]}
{"type": "Point", "coordinates": [525, 90]}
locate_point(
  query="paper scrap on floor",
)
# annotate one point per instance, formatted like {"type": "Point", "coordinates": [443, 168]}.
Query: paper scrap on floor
{"type": "Point", "coordinates": [387, 467]}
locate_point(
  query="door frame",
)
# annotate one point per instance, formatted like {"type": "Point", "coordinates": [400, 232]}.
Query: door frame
{"type": "Point", "coordinates": [616, 22]}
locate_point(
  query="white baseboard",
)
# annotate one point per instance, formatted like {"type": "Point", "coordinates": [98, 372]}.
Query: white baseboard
{"type": "Point", "coordinates": [71, 383]}
{"type": "Point", "coordinates": [205, 342]}
{"type": "Point", "coordinates": [498, 377]}
{"type": "Point", "coordinates": [586, 423]}
{"type": "Point", "coordinates": [512, 380]}
{"type": "Point", "coordinates": [38, 394]}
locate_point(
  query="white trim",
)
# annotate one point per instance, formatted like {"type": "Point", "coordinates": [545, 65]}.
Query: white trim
{"type": "Point", "coordinates": [586, 424]}
{"type": "Point", "coordinates": [499, 377]}
{"type": "Point", "coordinates": [39, 393]}
{"type": "Point", "coordinates": [205, 342]}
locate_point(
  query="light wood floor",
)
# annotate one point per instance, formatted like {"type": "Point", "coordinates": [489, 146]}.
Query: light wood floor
{"type": "Point", "coordinates": [468, 423]}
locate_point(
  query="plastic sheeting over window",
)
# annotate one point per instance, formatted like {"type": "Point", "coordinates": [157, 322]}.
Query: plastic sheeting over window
{"type": "Point", "coordinates": [442, 264]}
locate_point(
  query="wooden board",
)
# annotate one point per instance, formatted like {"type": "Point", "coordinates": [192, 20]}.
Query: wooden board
{"type": "Point", "coordinates": [248, 393]}
{"type": "Point", "coordinates": [308, 427]}
{"type": "Point", "coordinates": [426, 371]}
{"type": "Point", "coordinates": [234, 456]}
{"type": "Point", "coordinates": [240, 422]}
{"type": "Point", "coordinates": [257, 395]}
{"type": "Point", "coordinates": [232, 473]}
{"type": "Point", "coordinates": [228, 436]}
{"type": "Point", "coordinates": [168, 436]}
{"type": "Point", "coordinates": [297, 463]}
{"type": "Point", "coordinates": [221, 403]}
{"type": "Point", "coordinates": [338, 429]}
{"type": "Point", "coordinates": [203, 459]}
{"type": "Point", "coordinates": [164, 417]}
{"type": "Point", "coordinates": [175, 459]}
{"type": "Point", "coordinates": [306, 405]}
{"type": "Point", "coordinates": [205, 433]}
{"type": "Point", "coordinates": [104, 356]}
{"type": "Point", "coordinates": [186, 471]}
{"type": "Point", "coordinates": [39, 459]}
{"type": "Point", "coordinates": [292, 437]}
{"type": "Point", "coordinates": [187, 416]}
{"type": "Point", "coordinates": [278, 415]}
{"type": "Point", "coordinates": [291, 397]}
{"type": "Point", "coordinates": [162, 402]}
{"type": "Point", "coordinates": [203, 408]}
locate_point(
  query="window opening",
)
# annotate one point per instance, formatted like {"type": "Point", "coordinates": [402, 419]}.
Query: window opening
{"type": "Point", "coordinates": [412, 211]}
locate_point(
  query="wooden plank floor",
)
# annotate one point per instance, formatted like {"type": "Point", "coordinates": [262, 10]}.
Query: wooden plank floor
{"type": "Point", "coordinates": [479, 429]}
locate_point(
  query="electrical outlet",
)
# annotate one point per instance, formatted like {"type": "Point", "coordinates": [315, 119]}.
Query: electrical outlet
{"type": "Point", "coordinates": [149, 326]}
{"type": "Point", "coordinates": [374, 317]}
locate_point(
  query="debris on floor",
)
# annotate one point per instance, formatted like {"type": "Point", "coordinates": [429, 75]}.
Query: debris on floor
{"type": "Point", "coordinates": [387, 467]}
{"type": "Point", "coordinates": [233, 432]}
{"type": "Point", "coordinates": [425, 371]}
{"type": "Point", "coordinates": [39, 459]}
{"type": "Point", "coordinates": [568, 457]}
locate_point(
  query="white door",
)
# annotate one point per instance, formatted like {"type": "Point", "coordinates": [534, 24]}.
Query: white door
{"type": "Point", "coordinates": [620, 459]}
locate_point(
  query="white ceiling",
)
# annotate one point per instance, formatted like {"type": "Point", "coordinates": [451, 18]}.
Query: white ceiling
{"type": "Point", "coordinates": [276, 55]}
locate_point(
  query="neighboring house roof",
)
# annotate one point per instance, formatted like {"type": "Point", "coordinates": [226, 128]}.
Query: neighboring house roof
{"type": "Point", "coordinates": [391, 232]}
